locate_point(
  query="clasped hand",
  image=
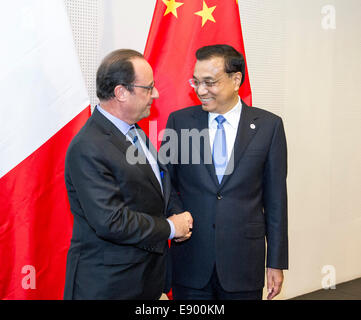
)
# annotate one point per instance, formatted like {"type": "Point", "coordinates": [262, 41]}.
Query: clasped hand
{"type": "Point", "coordinates": [183, 223]}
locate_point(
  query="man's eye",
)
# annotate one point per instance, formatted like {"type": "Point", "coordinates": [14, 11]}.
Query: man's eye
{"type": "Point", "coordinates": [209, 83]}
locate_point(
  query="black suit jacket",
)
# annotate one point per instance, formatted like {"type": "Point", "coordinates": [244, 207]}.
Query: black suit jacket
{"type": "Point", "coordinates": [120, 231]}
{"type": "Point", "coordinates": [233, 219]}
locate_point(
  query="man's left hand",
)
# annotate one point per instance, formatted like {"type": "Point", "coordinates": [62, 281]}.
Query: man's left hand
{"type": "Point", "coordinates": [274, 282]}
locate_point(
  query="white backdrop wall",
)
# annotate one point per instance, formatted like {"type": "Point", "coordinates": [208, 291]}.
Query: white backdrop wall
{"type": "Point", "coordinates": [309, 75]}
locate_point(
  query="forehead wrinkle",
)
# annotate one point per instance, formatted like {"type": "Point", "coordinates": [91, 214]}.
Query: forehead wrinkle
{"type": "Point", "coordinates": [209, 69]}
{"type": "Point", "coordinates": [144, 74]}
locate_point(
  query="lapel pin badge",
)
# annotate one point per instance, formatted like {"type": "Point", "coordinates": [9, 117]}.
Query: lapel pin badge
{"type": "Point", "coordinates": [253, 126]}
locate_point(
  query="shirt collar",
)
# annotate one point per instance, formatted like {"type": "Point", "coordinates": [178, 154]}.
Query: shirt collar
{"type": "Point", "coordinates": [120, 124]}
{"type": "Point", "coordinates": [232, 116]}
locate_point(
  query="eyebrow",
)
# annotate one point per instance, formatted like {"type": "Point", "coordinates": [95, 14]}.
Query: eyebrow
{"type": "Point", "coordinates": [206, 78]}
{"type": "Point", "coordinates": [151, 84]}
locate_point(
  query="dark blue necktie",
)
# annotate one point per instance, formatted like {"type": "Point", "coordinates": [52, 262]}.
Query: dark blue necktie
{"type": "Point", "coordinates": [220, 158]}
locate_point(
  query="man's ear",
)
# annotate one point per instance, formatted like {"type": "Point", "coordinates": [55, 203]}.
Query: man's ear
{"type": "Point", "coordinates": [238, 79]}
{"type": "Point", "coordinates": [121, 93]}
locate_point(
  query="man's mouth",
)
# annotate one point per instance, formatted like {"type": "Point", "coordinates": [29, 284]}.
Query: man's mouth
{"type": "Point", "coordinates": [205, 100]}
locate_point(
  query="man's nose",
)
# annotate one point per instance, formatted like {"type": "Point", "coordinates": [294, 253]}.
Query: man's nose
{"type": "Point", "coordinates": [155, 93]}
{"type": "Point", "coordinates": [201, 89]}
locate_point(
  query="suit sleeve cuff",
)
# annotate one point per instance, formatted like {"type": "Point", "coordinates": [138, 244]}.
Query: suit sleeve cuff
{"type": "Point", "coordinates": [172, 229]}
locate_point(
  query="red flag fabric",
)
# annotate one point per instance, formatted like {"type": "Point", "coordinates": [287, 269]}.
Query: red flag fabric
{"type": "Point", "coordinates": [178, 29]}
{"type": "Point", "coordinates": [44, 104]}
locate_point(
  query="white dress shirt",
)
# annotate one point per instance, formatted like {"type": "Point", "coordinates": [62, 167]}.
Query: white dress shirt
{"type": "Point", "coordinates": [230, 126]}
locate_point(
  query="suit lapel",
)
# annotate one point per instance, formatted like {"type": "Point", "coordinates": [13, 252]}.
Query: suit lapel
{"type": "Point", "coordinates": [204, 145]}
{"type": "Point", "coordinates": [122, 143]}
{"type": "Point", "coordinates": [147, 166]}
{"type": "Point", "coordinates": [243, 137]}
{"type": "Point", "coordinates": [166, 183]}
{"type": "Point", "coordinates": [247, 129]}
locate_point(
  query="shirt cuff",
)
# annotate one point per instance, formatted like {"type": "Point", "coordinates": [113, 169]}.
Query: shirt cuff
{"type": "Point", "coordinates": [172, 229]}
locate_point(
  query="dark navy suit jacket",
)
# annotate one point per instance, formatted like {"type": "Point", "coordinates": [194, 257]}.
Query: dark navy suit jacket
{"type": "Point", "coordinates": [233, 221]}
{"type": "Point", "coordinates": [120, 232]}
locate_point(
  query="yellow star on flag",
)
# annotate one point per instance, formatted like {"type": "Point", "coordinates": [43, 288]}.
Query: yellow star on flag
{"type": "Point", "coordinates": [172, 6]}
{"type": "Point", "coordinates": [206, 13]}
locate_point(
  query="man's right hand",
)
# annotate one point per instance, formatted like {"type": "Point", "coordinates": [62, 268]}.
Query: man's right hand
{"type": "Point", "coordinates": [183, 223]}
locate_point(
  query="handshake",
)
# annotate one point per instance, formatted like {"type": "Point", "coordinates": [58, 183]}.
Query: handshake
{"type": "Point", "coordinates": [183, 223]}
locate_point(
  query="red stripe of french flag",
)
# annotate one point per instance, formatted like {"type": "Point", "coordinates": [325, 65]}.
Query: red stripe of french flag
{"type": "Point", "coordinates": [44, 104]}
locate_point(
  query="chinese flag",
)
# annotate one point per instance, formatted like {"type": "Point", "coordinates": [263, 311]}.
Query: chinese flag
{"type": "Point", "coordinates": [178, 29]}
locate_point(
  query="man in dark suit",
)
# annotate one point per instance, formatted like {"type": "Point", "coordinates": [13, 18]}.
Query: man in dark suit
{"type": "Point", "coordinates": [237, 191]}
{"type": "Point", "coordinates": [120, 230]}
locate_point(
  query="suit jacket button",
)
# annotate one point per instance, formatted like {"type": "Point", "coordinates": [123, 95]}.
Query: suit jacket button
{"type": "Point", "coordinates": [219, 197]}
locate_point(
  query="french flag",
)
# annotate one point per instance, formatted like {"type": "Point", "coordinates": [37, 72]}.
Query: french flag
{"type": "Point", "coordinates": [44, 103]}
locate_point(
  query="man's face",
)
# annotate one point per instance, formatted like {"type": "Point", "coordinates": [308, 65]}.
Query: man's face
{"type": "Point", "coordinates": [222, 95]}
{"type": "Point", "coordinates": [141, 99]}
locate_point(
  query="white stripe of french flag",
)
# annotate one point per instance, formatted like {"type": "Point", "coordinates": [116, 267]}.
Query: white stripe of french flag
{"type": "Point", "coordinates": [44, 103]}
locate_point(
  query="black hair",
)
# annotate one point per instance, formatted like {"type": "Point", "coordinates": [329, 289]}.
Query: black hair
{"type": "Point", "coordinates": [115, 69]}
{"type": "Point", "coordinates": [233, 60]}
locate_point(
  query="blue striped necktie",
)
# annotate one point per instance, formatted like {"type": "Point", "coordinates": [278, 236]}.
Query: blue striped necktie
{"type": "Point", "coordinates": [220, 158]}
{"type": "Point", "coordinates": [132, 133]}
